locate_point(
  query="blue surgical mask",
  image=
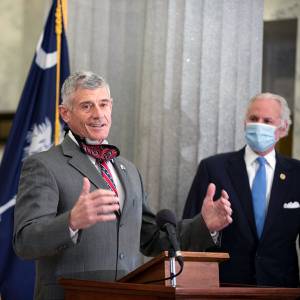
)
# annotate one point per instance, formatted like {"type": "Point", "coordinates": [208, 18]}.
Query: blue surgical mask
{"type": "Point", "coordinates": [260, 137]}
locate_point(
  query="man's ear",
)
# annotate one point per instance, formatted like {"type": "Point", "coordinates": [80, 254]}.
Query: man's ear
{"type": "Point", "coordinates": [283, 130]}
{"type": "Point", "coordinates": [64, 113]}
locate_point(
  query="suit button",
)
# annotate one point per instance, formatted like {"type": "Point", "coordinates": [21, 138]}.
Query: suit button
{"type": "Point", "coordinates": [121, 255]}
{"type": "Point", "coordinates": [62, 247]}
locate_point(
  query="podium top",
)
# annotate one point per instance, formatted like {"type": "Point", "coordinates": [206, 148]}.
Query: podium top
{"type": "Point", "coordinates": [202, 256]}
{"type": "Point", "coordinates": [194, 257]}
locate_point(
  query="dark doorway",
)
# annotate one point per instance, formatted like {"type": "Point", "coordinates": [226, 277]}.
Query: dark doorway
{"type": "Point", "coordinates": [279, 60]}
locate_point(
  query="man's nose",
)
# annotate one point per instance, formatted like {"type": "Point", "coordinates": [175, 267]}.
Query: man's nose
{"type": "Point", "coordinates": [97, 111]}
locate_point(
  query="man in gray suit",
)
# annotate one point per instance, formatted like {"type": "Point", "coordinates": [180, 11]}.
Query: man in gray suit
{"type": "Point", "coordinates": [81, 207]}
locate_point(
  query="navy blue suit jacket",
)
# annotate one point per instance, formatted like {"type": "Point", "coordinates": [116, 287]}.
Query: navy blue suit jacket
{"type": "Point", "coordinates": [272, 260]}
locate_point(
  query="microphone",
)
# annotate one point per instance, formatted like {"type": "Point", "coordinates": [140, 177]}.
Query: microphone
{"type": "Point", "coordinates": [166, 221]}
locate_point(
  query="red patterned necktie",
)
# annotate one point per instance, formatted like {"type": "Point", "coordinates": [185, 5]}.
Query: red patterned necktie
{"type": "Point", "coordinates": [107, 176]}
{"type": "Point", "coordinates": [102, 153]}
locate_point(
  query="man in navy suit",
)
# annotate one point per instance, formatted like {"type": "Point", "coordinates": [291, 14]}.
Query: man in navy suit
{"type": "Point", "coordinates": [265, 255]}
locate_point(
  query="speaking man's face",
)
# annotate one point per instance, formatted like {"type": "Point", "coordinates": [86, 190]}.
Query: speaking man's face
{"type": "Point", "coordinates": [89, 116]}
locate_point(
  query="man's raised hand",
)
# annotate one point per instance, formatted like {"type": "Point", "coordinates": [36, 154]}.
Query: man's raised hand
{"type": "Point", "coordinates": [216, 214]}
{"type": "Point", "coordinates": [92, 207]}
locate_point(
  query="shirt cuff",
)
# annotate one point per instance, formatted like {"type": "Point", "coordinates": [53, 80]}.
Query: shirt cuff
{"type": "Point", "coordinates": [214, 235]}
{"type": "Point", "coordinates": [73, 235]}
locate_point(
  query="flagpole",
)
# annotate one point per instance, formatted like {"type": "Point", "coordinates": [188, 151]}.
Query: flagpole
{"type": "Point", "coordinates": [58, 31]}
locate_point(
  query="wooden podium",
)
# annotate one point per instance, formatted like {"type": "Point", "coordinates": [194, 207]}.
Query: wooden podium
{"type": "Point", "coordinates": [201, 269]}
{"type": "Point", "coordinates": [199, 280]}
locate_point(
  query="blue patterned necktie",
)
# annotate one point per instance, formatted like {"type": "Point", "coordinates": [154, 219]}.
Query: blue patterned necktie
{"type": "Point", "coordinates": [259, 190]}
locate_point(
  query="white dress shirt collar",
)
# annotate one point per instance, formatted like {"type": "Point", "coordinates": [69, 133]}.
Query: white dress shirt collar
{"type": "Point", "coordinates": [88, 141]}
{"type": "Point", "coordinates": [251, 156]}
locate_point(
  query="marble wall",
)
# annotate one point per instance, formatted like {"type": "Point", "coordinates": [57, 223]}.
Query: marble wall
{"type": "Point", "coordinates": [281, 10]}
{"type": "Point", "coordinates": [181, 74]}
{"type": "Point", "coordinates": [21, 23]}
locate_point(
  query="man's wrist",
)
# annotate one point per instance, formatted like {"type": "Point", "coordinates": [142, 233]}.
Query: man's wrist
{"type": "Point", "coordinates": [71, 224]}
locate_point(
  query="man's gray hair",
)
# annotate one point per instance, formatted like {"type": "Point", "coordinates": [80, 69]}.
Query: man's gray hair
{"type": "Point", "coordinates": [285, 110]}
{"type": "Point", "coordinates": [81, 80]}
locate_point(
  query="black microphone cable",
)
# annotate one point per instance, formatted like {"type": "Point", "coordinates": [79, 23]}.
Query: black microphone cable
{"type": "Point", "coordinates": [171, 276]}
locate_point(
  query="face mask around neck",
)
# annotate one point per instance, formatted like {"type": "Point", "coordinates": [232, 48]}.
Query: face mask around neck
{"type": "Point", "coordinates": [260, 137]}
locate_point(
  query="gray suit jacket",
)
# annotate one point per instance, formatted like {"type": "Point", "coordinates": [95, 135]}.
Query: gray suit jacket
{"type": "Point", "coordinates": [50, 184]}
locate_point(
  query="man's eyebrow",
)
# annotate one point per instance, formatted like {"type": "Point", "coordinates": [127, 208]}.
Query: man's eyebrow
{"type": "Point", "coordinates": [89, 100]}
{"type": "Point", "coordinates": [85, 101]}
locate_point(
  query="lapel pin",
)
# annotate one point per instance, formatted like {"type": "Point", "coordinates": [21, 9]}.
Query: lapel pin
{"type": "Point", "coordinates": [122, 167]}
{"type": "Point", "coordinates": [282, 176]}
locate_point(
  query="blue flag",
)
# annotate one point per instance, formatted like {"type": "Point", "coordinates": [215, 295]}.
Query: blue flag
{"type": "Point", "coordinates": [32, 131]}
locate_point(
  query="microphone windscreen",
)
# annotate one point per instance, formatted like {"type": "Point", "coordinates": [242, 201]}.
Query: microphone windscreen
{"type": "Point", "coordinates": [165, 216]}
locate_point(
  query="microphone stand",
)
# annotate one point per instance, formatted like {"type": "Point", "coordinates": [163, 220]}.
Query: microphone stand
{"type": "Point", "coordinates": [172, 267]}
{"type": "Point", "coordinates": [172, 259]}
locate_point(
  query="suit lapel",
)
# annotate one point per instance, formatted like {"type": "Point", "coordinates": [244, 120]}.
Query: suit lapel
{"type": "Point", "coordinates": [279, 190]}
{"type": "Point", "coordinates": [81, 162]}
{"type": "Point", "coordinates": [239, 178]}
{"type": "Point", "coordinates": [124, 178]}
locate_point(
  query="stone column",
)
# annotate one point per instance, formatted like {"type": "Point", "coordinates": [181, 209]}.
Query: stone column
{"type": "Point", "coordinates": [181, 74]}
{"type": "Point", "coordinates": [202, 62]}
